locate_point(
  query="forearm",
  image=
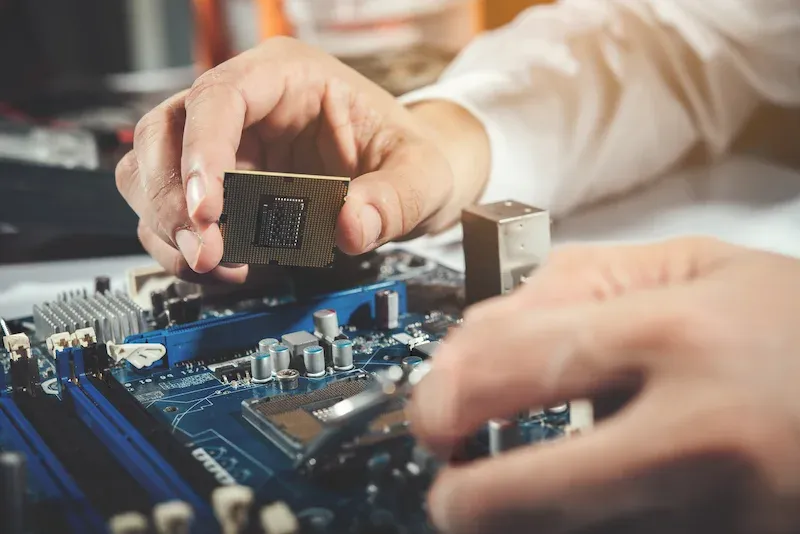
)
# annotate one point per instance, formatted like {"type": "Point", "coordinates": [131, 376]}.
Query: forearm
{"type": "Point", "coordinates": [463, 141]}
{"type": "Point", "coordinates": [582, 100]}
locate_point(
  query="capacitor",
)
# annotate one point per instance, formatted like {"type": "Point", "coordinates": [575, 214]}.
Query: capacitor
{"type": "Point", "coordinates": [409, 362]}
{"type": "Point", "coordinates": [265, 344]}
{"type": "Point", "coordinates": [281, 357]}
{"type": "Point", "coordinates": [13, 488]}
{"type": "Point", "coordinates": [387, 309]}
{"type": "Point", "coordinates": [503, 435]}
{"type": "Point", "coordinates": [102, 284]}
{"type": "Point", "coordinates": [288, 379]}
{"type": "Point", "coordinates": [261, 368]}
{"type": "Point", "coordinates": [314, 359]}
{"type": "Point", "coordinates": [342, 354]}
{"type": "Point", "coordinates": [326, 324]}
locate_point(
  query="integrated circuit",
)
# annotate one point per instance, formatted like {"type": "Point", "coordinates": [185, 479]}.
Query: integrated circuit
{"type": "Point", "coordinates": [292, 421]}
{"type": "Point", "coordinates": [281, 219]}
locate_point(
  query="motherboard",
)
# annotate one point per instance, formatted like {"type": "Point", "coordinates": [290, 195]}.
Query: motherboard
{"type": "Point", "coordinates": [187, 413]}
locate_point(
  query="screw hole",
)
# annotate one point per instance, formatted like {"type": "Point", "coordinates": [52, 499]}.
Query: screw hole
{"type": "Point", "coordinates": [170, 409]}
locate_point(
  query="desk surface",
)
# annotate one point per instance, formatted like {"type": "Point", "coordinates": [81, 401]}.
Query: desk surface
{"type": "Point", "coordinates": [741, 200]}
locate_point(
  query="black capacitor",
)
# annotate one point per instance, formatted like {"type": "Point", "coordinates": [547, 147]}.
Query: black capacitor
{"type": "Point", "coordinates": [158, 301]}
{"type": "Point", "coordinates": [102, 284]}
{"type": "Point", "coordinates": [13, 489]}
{"type": "Point", "coordinates": [172, 291]}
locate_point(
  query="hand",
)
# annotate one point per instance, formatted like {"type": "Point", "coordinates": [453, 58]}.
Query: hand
{"type": "Point", "coordinates": [703, 336]}
{"type": "Point", "coordinates": [288, 107]}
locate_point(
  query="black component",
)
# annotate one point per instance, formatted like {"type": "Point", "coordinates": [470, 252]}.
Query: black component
{"type": "Point", "coordinates": [102, 284]}
{"type": "Point", "coordinates": [25, 375]}
{"type": "Point", "coordinates": [176, 310]}
{"type": "Point", "coordinates": [158, 435]}
{"type": "Point", "coordinates": [281, 219]}
{"type": "Point", "coordinates": [171, 291]}
{"type": "Point", "coordinates": [13, 488]}
{"type": "Point", "coordinates": [425, 350]}
{"type": "Point", "coordinates": [157, 299]}
{"type": "Point", "coordinates": [95, 359]}
{"type": "Point", "coordinates": [281, 222]}
{"type": "Point", "coordinates": [96, 472]}
{"type": "Point", "coordinates": [193, 305]}
{"type": "Point", "coordinates": [438, 326]}
{"type": "Point", "coordinates": [233, 370]}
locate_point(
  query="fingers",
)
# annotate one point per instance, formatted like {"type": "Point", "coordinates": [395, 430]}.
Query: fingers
{"type": "Point", "coordinates": [229, 99]}
{"type": "Point", "coordinates": [539, 359]}
{"type": "Point", "coordinates": [583, 273]}
{"type": "Point", "coordinates": [560, 486]}
{"type": "Point", "coordinates": [175, 264]}
{"type": "Point", "coordinates": [390, 203]}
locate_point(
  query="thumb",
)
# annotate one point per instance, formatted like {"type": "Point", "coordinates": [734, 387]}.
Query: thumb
{"type": "Point", "coordinates": [411, 186]}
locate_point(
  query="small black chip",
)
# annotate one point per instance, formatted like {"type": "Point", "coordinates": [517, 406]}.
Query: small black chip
{"type": "Point", "coordinates": [281, 219]}
{"type": "Point", "coordinates": [280, 222]}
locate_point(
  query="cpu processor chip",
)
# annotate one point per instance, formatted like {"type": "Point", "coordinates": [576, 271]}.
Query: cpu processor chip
{"type": "Point", "coordinates": [281, 219]}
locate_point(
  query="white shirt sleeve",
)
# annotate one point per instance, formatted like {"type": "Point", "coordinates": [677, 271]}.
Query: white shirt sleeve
{"type": "Point", "coordinates": [587, 98]}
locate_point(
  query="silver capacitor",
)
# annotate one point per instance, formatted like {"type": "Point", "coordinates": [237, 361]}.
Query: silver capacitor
{"type": "Point", "coordinates": [281, 357]}
{"type": "Point", "coordinates": [342, 350]}
{"type": "Point", "coordinates": [265, 344]}
{"type": "Point", "coordinates": [503, 435]}
{"type": "Point", "coordinates": [314, 358]}
{"type": "Point", "coordinates": [261, 367]}
{"type": "Point", "coordinates": [326, 324]}
{"type": "Point", "coordinates": [387, 309]}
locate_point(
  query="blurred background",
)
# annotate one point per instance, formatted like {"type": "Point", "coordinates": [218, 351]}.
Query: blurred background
{"type": "Point", "coordinates": [78, 74]}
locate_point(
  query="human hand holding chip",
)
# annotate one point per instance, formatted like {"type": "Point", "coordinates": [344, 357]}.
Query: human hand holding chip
{"type": "Point", "coordinates": [286, 107]}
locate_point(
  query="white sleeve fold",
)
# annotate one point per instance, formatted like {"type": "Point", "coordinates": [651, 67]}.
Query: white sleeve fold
{"type": "Point", "coordinates": [587, 98]}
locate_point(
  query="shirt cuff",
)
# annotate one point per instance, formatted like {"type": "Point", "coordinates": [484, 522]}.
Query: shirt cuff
{"type": "Point", "coordinates": [484, 95]}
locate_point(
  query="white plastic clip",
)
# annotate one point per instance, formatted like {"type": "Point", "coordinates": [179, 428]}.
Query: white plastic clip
{"type": "Point", "coordinates": [139, 355]}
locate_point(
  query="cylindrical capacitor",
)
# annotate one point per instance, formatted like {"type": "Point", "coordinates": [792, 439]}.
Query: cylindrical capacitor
{"type": "Point", "coordinates": [326, 324]}
{"type": "Point", "coordinates": [265, 344]}
{"type": "Point", "coordinates": [176, 309]}
{"type": "Point", "coordinates": [314, 358]}
{"type": "Point", "coordinates": [342, 350]}
{"type": "Point", "coordinates": [387, 309]}
{"type": "Point", "coordinates": [261, 368]}
{"type": "Point", "coordinates": [288, 378]}
{"type": "Point", "coordinates": [13, 487]}
{"type": "Point", "coordinates": [409, 362]}
{"type": "Point", "coordinates": [503, 435]}
{"type": "Point", "coordinates": [281, 357]}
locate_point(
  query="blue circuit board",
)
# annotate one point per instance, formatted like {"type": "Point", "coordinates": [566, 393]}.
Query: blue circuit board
{"type": "Point", "coordinates": [205, 413]}
{"type": "Point", "coordinates": [199, 412]}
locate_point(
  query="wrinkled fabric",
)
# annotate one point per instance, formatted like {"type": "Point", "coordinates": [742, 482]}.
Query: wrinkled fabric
{"type": "Point", "coordinates": [584, 99]}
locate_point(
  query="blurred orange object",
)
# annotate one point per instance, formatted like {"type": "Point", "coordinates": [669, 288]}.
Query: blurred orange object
{"type": "Point", "coordinates": [272, 19]}
{"type": "Point", "coordinates": [211, 39]}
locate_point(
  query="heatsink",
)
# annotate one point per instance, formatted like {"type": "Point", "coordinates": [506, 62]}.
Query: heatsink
{"type": "Point", "coordinates": [113, 316]}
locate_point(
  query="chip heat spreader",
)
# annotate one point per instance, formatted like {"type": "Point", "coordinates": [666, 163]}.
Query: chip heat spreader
{"type": "Point", "coordinates": [281, 219]}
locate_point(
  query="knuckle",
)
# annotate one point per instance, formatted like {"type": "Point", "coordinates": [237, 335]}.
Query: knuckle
{"type": "Point", "coordinates": [149, 128]}
{"type": "Point", "coordinates": [411, 205]}
{"type": "Point", "coordinates": [125, 171]}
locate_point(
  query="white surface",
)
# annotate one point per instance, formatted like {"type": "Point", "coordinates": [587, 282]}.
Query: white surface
{"type": "Point", "coordinates": [741, 200]}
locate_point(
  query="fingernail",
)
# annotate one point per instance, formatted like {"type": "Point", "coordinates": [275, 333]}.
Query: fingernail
{"type": "Point", "coordinates": [189, 244]}
{"type": "Point", "coordinates": [370, 226]}
{"type": "Point", "coordinates": [195, 193]}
